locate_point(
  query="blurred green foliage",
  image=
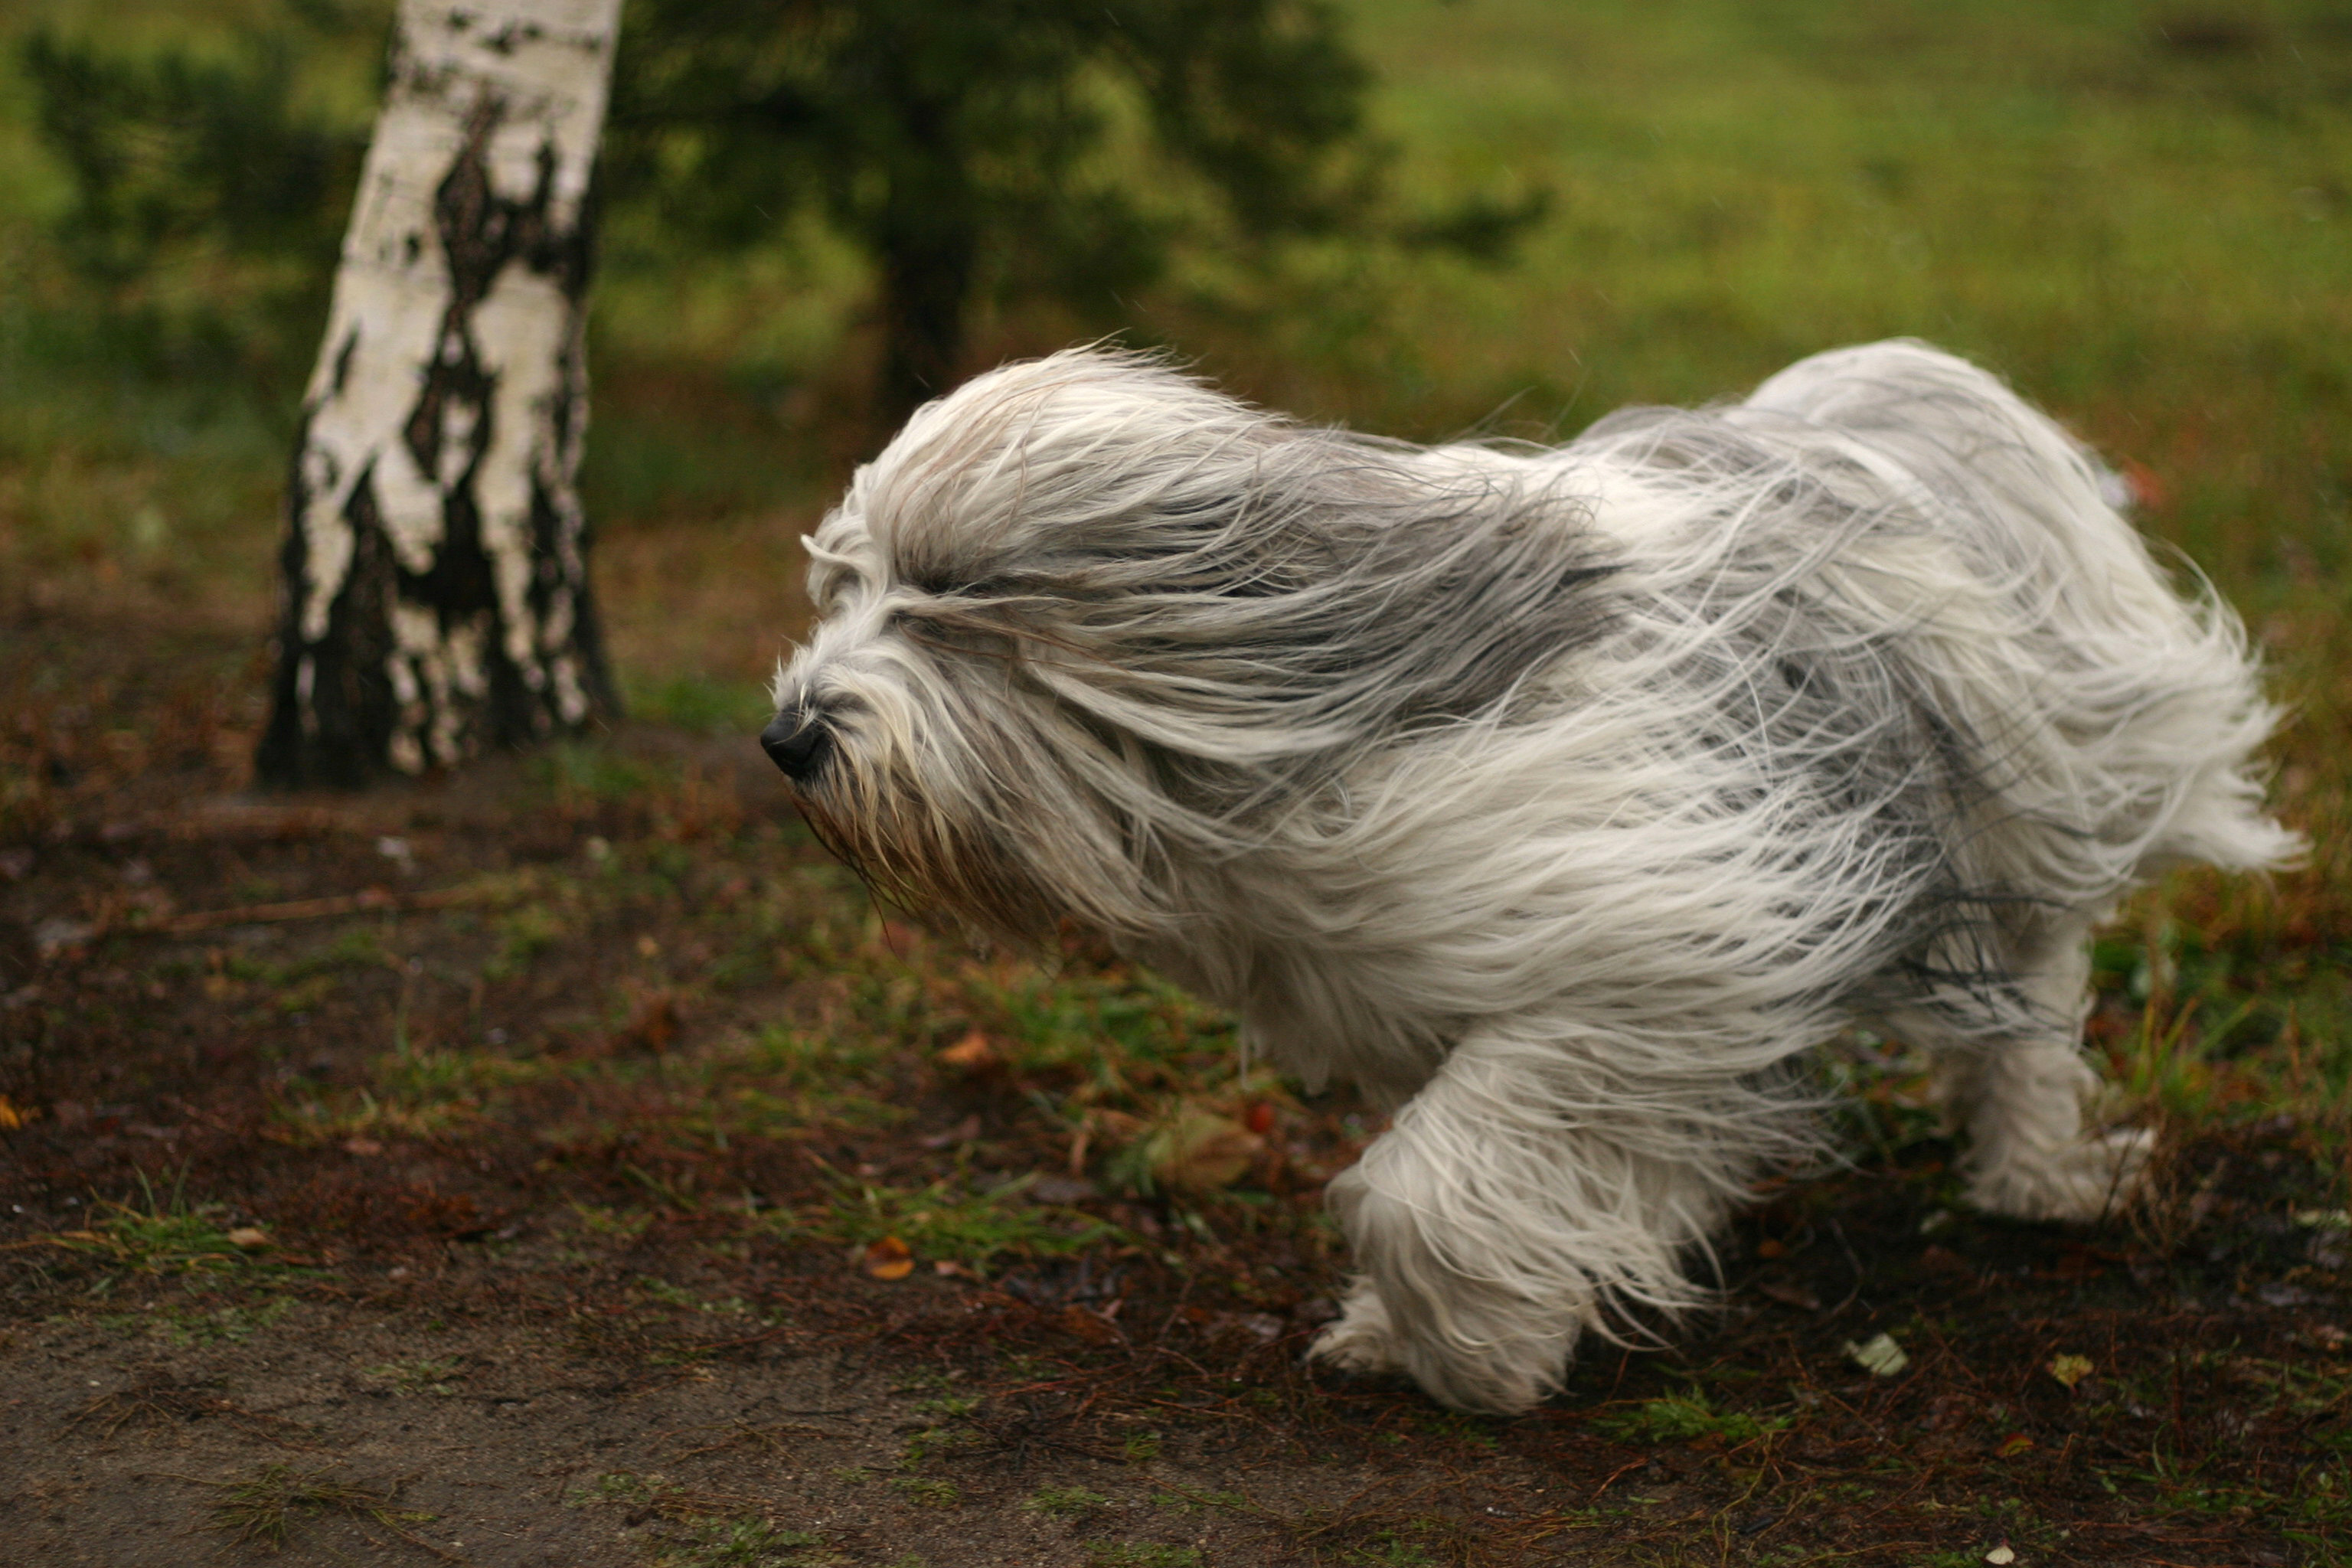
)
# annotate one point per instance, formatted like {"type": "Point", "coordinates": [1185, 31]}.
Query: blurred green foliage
{"type": "Point", "coordinates": [962, 147]}
{"type": "Point", "coordinates": [176, 148]}
{"type": "Point", "coordinates": [1049, 149]}
{"type": "Point", "coordinates": [2142, 216]}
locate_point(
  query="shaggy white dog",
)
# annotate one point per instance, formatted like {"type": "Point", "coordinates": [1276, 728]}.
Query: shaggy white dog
{"type": "Point", "coordinates": [1559, 797]}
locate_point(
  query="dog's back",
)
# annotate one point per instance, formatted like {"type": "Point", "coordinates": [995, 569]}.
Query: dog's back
{"type": "Point", "coordinates": [2098, 725]}
{"type": "Point", "coordinates": [2144, 708]}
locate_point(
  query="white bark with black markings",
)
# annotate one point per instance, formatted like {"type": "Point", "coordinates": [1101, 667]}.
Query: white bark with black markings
{"type": "Point", "coordinates": [436, 558]}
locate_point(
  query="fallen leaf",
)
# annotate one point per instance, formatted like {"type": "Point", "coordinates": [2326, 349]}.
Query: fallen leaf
{"type": "Point", "coordinates": [1199, 1151]}
{"type": "Point", "coordinates": [654, 1024]}
{"type": "Point", "coordinates": [1261, 1328]}
{"type": "Point", "coordinates": [54, 935]}
{"type": "Point", "coordinates": [1088, 1324]}
{"type": "Point", "coordinates": [889, 1259]}
{"type": "Point", "coordinates": [1061, 1190]}
{"type": "Point", "coordinates": [2016, 1443]}
{"type": "Point", "coordinates": [2150, 493]}
{"type": "Point", "coordinates": [1880, 1356]}
{"type": "Point", "coordinates": [248, 1238]}
{"type": "Point", "coordinates": [10, 1116]}
{"type": "Point", "coordinates": [963, 1131]}
{"type": "Point", "coordinates": [2077, 1263]}
{"type": "Point", "coordinates": [2000, 1555]}
{"type": "Point", "coordinates": [2070, 1369]}
{"type": "Point", "coordinates": [974, 1053]}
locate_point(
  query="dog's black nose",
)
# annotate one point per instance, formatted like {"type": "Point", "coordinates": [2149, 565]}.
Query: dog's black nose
{"type": "Point", "coordinates": [798, 742]}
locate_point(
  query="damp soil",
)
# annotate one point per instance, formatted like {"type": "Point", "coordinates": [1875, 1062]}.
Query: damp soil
{"type": "Point", "coordinates": [562, 1163]}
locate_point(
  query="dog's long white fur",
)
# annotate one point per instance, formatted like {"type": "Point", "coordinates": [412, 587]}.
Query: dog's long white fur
{"type": "Point", "coordinates": [1558, 796]}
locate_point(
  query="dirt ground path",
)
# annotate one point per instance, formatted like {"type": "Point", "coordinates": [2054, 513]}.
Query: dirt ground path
{"type": "Point", "coordinates": [340, 1441]}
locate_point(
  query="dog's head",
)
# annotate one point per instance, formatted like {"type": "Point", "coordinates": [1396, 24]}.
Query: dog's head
{"type": "Point", "coordinates": [1086, 621]}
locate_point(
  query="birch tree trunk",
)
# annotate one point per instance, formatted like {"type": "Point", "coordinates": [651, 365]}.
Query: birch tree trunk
{"type": "Point", "coordinates": [436, 594]}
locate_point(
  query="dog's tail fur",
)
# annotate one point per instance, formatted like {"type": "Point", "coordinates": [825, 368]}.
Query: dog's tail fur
{"type": "Point", "coordinates": [2147, 708]}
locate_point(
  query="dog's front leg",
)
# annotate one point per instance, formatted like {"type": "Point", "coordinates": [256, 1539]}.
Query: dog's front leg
{"type": "Point", "coordinates": [1527, 1185]}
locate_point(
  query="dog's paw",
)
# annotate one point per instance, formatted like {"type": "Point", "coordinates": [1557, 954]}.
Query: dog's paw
{"type": "Point", "coordinates": [1495, 1379]}
{"type": "Point", "coordinates": [2082, 1182]}
{"type": "Point", "coordinates": [1363, 1340]}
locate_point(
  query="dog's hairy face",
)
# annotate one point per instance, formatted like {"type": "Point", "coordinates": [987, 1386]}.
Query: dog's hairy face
{"type": "Point", "coordinates": [1086, 619]}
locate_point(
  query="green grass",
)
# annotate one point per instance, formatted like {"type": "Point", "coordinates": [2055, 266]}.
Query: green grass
{"type": "Point", "coordinates": [436, 1376]}
{"type": "Point", "coordinates": [1393, 1549]}
{"type": "Point", "coordinates": [1683, 1418]}
{"type": "Point", "coordinates": [164, 1237]}
{"type": "Point", "coordinates": [2049, 185]}
{"type": "Point", "coordinates": [924, 1491]}
{"type": "Point", "coordinates": [691, 702]}
{"type": "Point", "coordinates": [260, 1511]}
{"type": "Point", "coordinates": [942, 1221]}
{"type": "Point", "coordinates": [705, 1530]}
{"type": "Point", "coordinates": [743, 1543]}
{"type": "Point", "coordinates": [185, 1327]}
{"type": "Point", "coordinates": [1141, 1554]}
{"type": "Point", "coordinates": [1064, 1502]}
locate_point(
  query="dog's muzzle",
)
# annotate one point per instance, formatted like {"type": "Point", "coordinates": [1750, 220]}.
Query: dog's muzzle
{"type": "Point", "coordinates": [798, 742]}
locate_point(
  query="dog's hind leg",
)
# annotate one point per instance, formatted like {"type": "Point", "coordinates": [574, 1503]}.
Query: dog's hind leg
{"type": "Point", "coordinates": [2022, 1099]}
{"type": "Point", "coordinates": [1525, 1189]}
{"type": "Point", "coordinates": [2029, 1156]}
